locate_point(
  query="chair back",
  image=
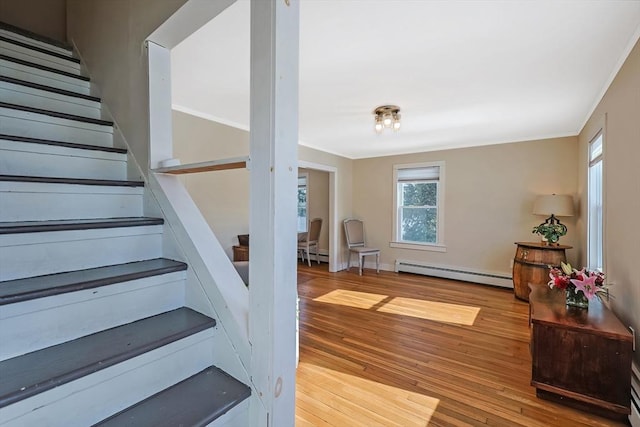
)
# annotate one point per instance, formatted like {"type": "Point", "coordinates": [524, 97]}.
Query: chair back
{"type": "Point", "coordinates": [314, 230]}
{"type": "Point", "coordinates": [354, 231]}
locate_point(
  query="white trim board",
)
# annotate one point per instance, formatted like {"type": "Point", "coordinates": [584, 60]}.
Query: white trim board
{"type": "Point", "coordinates": [334, 229]}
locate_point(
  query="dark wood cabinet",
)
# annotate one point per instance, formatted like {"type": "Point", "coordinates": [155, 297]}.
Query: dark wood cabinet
{"type": "Point", "coordinates": [580, 357]}
{"type": "Point", "coordinates": [531, 265]}
{"type": "Point", "coordinates": [241, 253]}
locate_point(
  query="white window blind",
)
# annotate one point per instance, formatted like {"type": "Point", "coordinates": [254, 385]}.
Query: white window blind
{"type": "Point", "coordinates": [431, 173]}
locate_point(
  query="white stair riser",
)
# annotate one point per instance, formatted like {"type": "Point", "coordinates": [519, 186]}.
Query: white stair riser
{"type": "Point", "coordinates": [26, 54]}
{"type": "Point", "coordinates": [33, 42]}
{"type": "Point", "coordinates": [37, 98]}
{"type": "Point", "coordinates": [99, 395]}
{"type": "Point", "coordinates": [43, 77]}
{"type": "Point", "coordinates": [27, 159]}
{"type": "Point", "coordinates": [238, 416]}
{"type": "Point", "coordinates": [22, 123]}
{"type": "Point", "coordinates": [24, 201]}
{"type": "Point", "coordinates": [36, 254]}
{"type": "Point", "coordinates": [32, 325]}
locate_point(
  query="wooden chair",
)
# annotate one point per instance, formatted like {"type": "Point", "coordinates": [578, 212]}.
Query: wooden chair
{"type": "Point", "coordinates": [313, 234]}
{"type": "Point", "coordinates": [354, 231]}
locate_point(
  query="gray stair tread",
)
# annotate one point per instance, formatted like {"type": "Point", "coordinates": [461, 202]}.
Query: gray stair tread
{"type": "Point", "coordinates": [48, 88]}
{"type": "Point", "coordinates": [18, 290]}
{"type": "Point", "coordinates": [75, 224]}
{"type": "Point", "coordinates": [42, 370]}
{"type": "Point", "coordinates": [43, 67]}
{"type": "Point", "coordinates": [66, 57]}
{"type": "Point", "coordinates": [29, 140]}
{"type": "Point", "coordinates": [77, 181]}
{"type": "Point", "coordinates": [57, 114]}
{"type": "Point", "coordinates": [196, 401]}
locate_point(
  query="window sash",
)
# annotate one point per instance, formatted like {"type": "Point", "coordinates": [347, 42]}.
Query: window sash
{"type": "Point", "coordinates": [400, 190]}
{"type": "Point", "coordinates": [595, 239]}
{"type": "Point", "coordinates": [420, 231]}
{"type": "Point", "coordinates": [406, 231]}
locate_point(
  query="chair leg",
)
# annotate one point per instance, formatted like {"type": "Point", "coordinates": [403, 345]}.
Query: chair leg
{"type": "Point", "coordinates": [378, 263]}
{"type": "Point", "coordinates": [360, 259]}
{"type": "Point", "coordinates": [317, 255]}
{"type": "Point", "coordinates": [308, 257]}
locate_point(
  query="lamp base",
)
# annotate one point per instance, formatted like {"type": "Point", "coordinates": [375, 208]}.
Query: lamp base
{"type": "Point", "coordinates": [553, 220]}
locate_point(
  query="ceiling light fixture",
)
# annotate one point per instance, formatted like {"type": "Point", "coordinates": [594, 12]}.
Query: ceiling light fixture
{"type": "Point", "coordinates": [387, 116]}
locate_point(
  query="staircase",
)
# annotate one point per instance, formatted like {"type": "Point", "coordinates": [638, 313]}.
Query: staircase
{"type": "Point", "coordinates": [93, 324]}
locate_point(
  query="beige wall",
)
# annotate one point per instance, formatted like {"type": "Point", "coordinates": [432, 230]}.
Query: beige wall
{"type": "Point", "coordinates": [489, 194]}
{"type": "Point", "coordinates": [45, 17]}
{"type": "Point", "coordinates": [621, 107]}
{"type": "Point", "coordinates": [223, 197]}
{"type": "Point", "coordinates": [318, 202]}
{"type": "Point", "coordinates": [110, 37]}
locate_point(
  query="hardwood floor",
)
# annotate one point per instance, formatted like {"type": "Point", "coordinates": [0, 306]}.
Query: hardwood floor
{"type": "Point", "coordinates": [408, 350]}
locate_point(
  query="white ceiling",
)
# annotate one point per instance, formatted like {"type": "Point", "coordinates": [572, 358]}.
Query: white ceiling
{"type": "Point", "coordinates": [464, 73]}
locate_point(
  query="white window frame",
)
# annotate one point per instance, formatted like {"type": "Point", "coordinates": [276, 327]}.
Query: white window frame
{"type": "Point", "coordinates": [304, 175]}
{"type": "Point", "coordinates": [591, 239]}
{"type": "Point", "coordinates": [396, 242]}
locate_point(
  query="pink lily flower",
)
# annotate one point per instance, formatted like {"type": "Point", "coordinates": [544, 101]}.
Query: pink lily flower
{"type": "Point", "coordinates": [587, 286]}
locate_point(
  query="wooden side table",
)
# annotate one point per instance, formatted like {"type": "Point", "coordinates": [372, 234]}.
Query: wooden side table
{"type": "Point", "coordinates": [241, 253]}
{"type": "Point", "coordinates": [531, 265]}
{"type": "Point", "coordinates": [581, 358]}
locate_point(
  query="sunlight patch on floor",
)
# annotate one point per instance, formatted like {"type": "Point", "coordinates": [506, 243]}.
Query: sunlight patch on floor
{"type": "Point", "coordinates": [422, 309]}
{"type": "Point", "coordinates": [344, 398]}
{"type": "Point", "coordinates": [432, 310]}
{"type": "Point", "coordinates": [351, 298]}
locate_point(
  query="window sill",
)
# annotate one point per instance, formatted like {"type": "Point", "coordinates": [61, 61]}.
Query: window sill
{"type": "Point", "coordinates": [419, 246]}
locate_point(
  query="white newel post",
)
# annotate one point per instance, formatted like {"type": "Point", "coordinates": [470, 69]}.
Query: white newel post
{"type": "Point", "coordinates": [274, 171]}
{"type": "Point", "coordinates": [160, 119]}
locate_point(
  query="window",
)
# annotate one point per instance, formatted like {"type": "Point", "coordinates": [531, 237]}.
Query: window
{"type": "Point", "coordinates": [302, 203]}
{"type": "Point", "coordinates": [418, 194]}
{"type": "Point", "coordinates": [595, 243]}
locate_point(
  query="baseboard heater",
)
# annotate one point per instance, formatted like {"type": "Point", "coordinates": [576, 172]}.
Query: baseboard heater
{"type": "Point", "coordinates": [634, 418]}
{"type": "Point", "coordinates": [448, 272]}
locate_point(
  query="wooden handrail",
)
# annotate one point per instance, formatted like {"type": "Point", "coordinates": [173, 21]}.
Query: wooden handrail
{"type": "Point", "coordinates": [210, 166]}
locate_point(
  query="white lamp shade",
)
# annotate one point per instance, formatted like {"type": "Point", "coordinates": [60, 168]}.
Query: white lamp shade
{"type": "Point", "coordinates": [553, 204]}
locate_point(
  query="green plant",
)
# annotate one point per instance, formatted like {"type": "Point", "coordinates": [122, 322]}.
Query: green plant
{"type": "Point", "coordinates": [551, 232]}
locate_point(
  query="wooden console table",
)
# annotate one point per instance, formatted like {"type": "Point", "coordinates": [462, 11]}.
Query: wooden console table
{"type": "Point", "coordinates": [531, 265]}
{"type": "Point", "coordinates": [581, 358]}
{"type": "Point", "coordinates": [241, 253]}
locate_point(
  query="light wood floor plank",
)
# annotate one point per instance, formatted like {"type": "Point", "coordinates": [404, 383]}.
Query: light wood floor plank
{"type": "Point", "coordinates": [408, 350]}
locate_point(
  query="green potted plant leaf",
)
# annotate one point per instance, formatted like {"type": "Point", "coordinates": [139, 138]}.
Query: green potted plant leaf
{"type": "Point", "coordinates": [551, 232]}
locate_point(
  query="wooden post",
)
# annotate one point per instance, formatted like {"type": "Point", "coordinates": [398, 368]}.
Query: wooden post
{"type": "Point", "coordinates": [274, 171]}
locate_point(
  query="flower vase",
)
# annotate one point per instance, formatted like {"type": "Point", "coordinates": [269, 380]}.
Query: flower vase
{"type": "Point", "coordinates": [576, 298]}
